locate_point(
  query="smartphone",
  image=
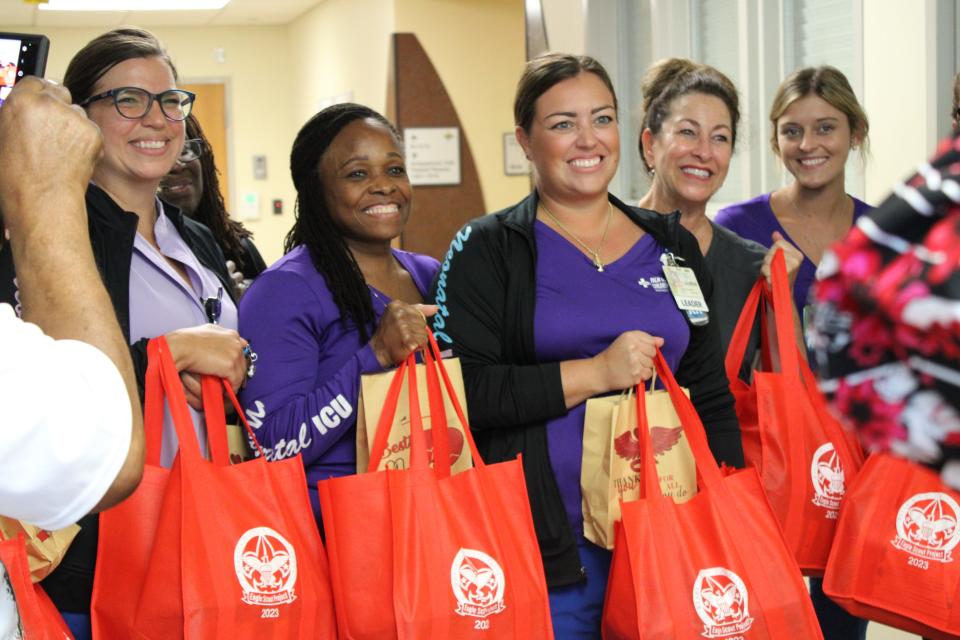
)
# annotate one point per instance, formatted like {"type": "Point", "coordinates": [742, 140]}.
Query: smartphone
{"type": "Point", "coordinates": [21, 55]}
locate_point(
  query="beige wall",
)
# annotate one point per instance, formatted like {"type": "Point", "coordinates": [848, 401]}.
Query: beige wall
{"type": "Point", "coordinates": [340, 47]}
{"type": "Point", "coordinates": [896, 92]}
{"type": "Point", "coordinates": [477, 47]}
{"type": "Point", "coordinates": [565, 23]}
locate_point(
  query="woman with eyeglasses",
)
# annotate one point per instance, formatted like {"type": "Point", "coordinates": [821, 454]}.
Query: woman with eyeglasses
{"type": "Point", "coordinates": [193, 184]}
{"type": "Point", "coordinates": [163, 271]}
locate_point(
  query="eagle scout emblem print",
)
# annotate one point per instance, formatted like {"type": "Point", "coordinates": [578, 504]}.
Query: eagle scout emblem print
{"type": "Point", "coordinates": [720, 599]}
{"type": "Point", "coordinates": [478, 584]}
{"type": "Point", "coordinates": [266, 566]}
{"type": "Point", "coordinates": [927, 528]}
{"type": "Point", "coordinates": [826, 473]}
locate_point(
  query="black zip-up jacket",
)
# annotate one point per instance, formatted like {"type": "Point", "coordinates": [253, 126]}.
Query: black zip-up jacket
{"type": "Point", "coordinates": [112, 231]}
{"type": "Point", "coordinates": [486, 294]}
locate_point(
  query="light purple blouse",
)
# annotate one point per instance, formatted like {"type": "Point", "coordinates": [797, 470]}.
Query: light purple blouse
{"type": "Point", "coordinates": [161, 302]}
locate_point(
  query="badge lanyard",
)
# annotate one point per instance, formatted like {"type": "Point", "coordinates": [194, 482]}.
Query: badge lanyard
{"type": "Point", "coordinates": [685, 289]}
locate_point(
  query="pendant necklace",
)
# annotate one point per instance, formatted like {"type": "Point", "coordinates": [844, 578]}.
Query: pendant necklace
{"type": "Point", "coordinates": [595, 254]}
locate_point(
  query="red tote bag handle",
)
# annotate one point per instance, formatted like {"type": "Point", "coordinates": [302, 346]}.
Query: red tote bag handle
{"type": "Point", "coordinates": [707, 469]}
{"type": "Point", "coordinates": [153, 406]}
{"type": "Point", "coordinates": [418, 440]}
{"type": "Point", "coordinates": [176, 399]}
{"type": "Point", "coordinates": [162, 378]}
{"type": "Point", "coordinates": [741, 333]}
{"type": "Point", "coordinates": [783, 318]}
{"type": "Point", "coordinates": [649, 479]}
{"type": "Point", "coordinates": [213, 411]}
{"type": "Point", "coordinates": [433, 364]}
{"type": "Point", "coordinates": [795, 366]}
{"type": "Point", "coordinates": [213, 415]}
{"type": "Point", "coordinates": [438, 417]}
{"type": "Point", "coordinates": [454, 400]}
{"type": "Point", "coordinates": [386, 418]}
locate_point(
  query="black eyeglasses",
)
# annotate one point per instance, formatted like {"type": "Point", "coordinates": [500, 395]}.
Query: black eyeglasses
{"type": "Point", "coordinates": [134, 103]}
{"type": "Point", "coordinates": [192, 149]}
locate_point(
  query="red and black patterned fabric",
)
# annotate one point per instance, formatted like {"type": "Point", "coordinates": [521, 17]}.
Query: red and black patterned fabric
{"type": "Point", "coordinates": [886, 331]}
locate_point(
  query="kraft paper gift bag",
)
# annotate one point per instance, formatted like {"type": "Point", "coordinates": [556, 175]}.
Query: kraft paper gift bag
{"type": "Point", "coordinates": [373, 393]}
{"type": "Point", "coordinates": [610, 472]}
{"type": "Point", "coordinates": [45, 549]}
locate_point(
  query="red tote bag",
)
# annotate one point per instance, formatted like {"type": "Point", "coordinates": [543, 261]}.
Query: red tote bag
{"type": "Point", "coordinates": [461, 550]}
{"type": "Point", "coordinates": [894, 559]}
{"type": "Point", "coordinates": [804, 457]}
{"type": "Point", "coordinates": [38, 617]}
{"type": "Point", "coordinates": [127, 530]}
{"type": "Point", "coordinates": [716, 566]}
{"type": "Point", "coordinates": [236, 552]}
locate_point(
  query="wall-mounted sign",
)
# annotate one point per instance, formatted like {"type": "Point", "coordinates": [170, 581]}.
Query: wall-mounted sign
{"type": "Point", "coordinates": [515, 162]}
{"type": "Point", "coordinates": [433, 155]}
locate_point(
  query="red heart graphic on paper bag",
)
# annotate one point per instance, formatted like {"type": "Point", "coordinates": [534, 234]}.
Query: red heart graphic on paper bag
{"type": "Point", "coordinates": [456, 444]}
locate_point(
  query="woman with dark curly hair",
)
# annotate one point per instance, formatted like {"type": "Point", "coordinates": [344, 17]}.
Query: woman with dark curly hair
{"type": "Point", "coordinates": [342, 302]}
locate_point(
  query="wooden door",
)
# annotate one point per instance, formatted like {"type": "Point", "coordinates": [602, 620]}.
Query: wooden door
{"type": "Point", "coordinates": [210, 109]}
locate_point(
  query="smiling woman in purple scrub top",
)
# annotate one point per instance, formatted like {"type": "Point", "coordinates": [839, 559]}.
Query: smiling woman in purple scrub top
{"type": "Point", "coordinates": [562, 297]}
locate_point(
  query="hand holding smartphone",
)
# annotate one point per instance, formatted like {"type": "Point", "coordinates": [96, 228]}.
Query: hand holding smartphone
{"type": "Point", "coordinates": [21, 55]}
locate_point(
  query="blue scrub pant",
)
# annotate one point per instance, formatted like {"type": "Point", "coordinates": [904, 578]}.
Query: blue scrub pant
{"type": "Point", "coordinates": [576, 609]}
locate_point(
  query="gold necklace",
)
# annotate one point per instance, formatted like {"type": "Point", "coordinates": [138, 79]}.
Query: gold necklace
{"type": "Point", "coordinates": [595, 254]}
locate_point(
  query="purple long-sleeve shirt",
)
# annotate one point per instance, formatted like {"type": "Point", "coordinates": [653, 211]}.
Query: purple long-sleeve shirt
{"type": "Point", "coordinates": [303, 397]}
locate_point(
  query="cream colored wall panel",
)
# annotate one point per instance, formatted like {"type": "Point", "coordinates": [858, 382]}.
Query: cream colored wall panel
{"type": "Point", "coordinates": [477, 47]}
{"type": "Point", "coordinates": [895, 92]}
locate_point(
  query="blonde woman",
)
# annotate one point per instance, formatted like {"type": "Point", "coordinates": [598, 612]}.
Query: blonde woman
{"type": "Point", "coordinates": [816, 121]}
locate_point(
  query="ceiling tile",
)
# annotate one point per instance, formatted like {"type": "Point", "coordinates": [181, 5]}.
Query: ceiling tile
{"type": "Point", "coordinates": [237, 12]}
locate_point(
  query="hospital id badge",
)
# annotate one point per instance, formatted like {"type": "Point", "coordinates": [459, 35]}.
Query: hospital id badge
{"type": "Point", "coordinates": [686, 291]}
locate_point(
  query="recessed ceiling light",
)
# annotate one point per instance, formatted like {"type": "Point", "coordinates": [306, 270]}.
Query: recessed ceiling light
{"type": "Point", "coordinates": [128, 5]}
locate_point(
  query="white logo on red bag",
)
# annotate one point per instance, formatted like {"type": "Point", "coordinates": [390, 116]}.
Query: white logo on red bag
{"type": "Point", "coordinates": [478, 584]}
{"type": "Point", "coordinates": [266, 566]}
{"type": "Point", "coordinates": [927, 526]}
{"type": "Point", "coordinates": [826, 472]}
{"type": "Point", "coordinates": [720, 598]}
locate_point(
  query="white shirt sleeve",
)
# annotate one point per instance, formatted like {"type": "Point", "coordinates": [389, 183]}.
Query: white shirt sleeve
{"type": "Point", "coordinates": [64, 425]}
